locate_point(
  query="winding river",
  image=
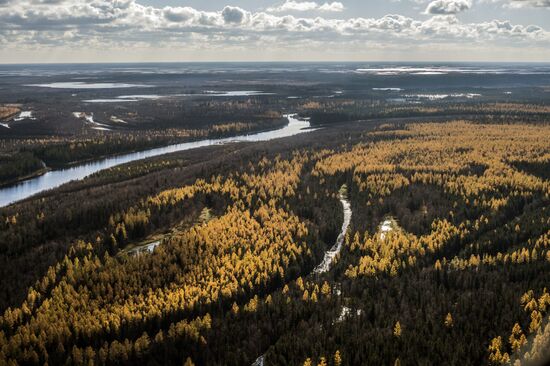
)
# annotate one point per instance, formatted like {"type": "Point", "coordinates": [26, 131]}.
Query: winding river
{"type": "Point", "coordinates": [56, 178]}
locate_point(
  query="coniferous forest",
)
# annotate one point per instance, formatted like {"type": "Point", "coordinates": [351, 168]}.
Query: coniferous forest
{"type": "Point", "coordinates": [445, 261]}
{"type": "Point", "coordinates": [275, 215]}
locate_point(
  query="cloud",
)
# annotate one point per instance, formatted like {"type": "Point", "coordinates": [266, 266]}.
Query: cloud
{"type": "Point", "coordinates": [297, 6]}
{"type": "Point", "coordinates": [234, 15]}
{"type": "Point", "coordinates": [532, 3]}
{"type": "Point", "coordinates": [179, 14]}
{"type": "Point", "coordinates": [448, 6]}
{"type": "Point", "coordinates": [515, 4]}
{"type": "Point", "coordinates": [113, 24]}
{"type": "Point", "coordinates": [335, 7]}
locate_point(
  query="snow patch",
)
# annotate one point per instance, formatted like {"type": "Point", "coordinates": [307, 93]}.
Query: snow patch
{"type": "Point", "coordinates": [346, 313]}
{"type": "Point", "coordinates": [115, 119]}
{"type": "Point", "coordinates": [385, 228]}
{"type": "Point", "coordinates": [259, 361]}
{"type": "Point", "coordinates": [24, 115]}
{"type": "Point", "coordinates": [149, 248]}
{"type": "Point", "coordinates": [89, 118]}
{"type": "Point", "coordinates": [433, 97]}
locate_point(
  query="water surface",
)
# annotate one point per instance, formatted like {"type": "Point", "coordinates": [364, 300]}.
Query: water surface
{"type": "Point", "coordinates": [57, 178]}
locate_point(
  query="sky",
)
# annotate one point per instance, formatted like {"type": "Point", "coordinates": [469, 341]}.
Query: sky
{"type": "Point", "coordinates": [44, 31]}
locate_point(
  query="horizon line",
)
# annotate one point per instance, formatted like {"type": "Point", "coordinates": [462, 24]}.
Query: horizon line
{"type": "Point", "coordinates": [264, 62]}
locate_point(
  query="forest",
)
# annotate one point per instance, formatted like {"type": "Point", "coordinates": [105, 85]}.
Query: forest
{"type": "Point", "coordinates": [446, 259]}
{"type": "Point", "coordinates": [24, 154]}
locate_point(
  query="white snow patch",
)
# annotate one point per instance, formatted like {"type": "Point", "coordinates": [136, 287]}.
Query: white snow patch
{"type": "Point", "coordinates": [4, 125]}
{"type": "Point", "coordinates": [149, 248]}
{"type": "Point", "coordinates": [118, 120]}
{"type": "Point", "coordinates": [466, 95]}
{"type": "Point", "coordinates": [89, 118]}
{"type": "Point", "coordinates": [24, 115]}
{"type": "Point", "coordinates": [385, 228]}
{"type": "Point", "coordinates": [259, 361]}
{"type": "Point", "coordinates": [443, 96]}
{"type": "Point", "coordinates": [429, 96]}
{"type": "Point", "coordinates": [346, 313]}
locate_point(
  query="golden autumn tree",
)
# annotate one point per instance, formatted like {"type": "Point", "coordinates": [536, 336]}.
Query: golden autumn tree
{"type": "Point", "coordinates": [448, 320]}
{"type": "Point", "coordinates": [397, 329]}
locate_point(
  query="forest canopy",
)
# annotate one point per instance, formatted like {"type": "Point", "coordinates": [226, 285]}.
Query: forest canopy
{"type": "Point", "coordinates": [446, 259]}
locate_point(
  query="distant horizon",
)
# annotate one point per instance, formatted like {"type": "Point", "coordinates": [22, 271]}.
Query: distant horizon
{"type": "Point", "coordinates": [270, 62]}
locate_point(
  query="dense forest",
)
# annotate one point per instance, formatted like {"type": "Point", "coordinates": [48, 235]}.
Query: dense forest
{"type": "Point", "coordinates": [345, 110]}
{"type": "Point", "coordinates": [446, 260]}
{"type": "Point", "coordinates": [100, 131]}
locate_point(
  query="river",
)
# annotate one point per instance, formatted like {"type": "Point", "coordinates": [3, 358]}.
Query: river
{"type": "Point", "coordinates": [56, 178]}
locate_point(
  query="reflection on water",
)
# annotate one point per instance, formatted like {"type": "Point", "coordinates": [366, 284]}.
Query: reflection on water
{"type": "Point", "coordinates": [56, 178]}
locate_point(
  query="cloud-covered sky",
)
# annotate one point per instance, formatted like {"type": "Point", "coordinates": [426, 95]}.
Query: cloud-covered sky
{"type": "Point", "coordinates": [268, 30]}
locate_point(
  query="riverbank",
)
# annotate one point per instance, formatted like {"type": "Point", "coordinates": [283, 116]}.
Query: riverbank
{"type": "Point", "coordinates": [21, 179]}
{"type": "Point", "coordinates": [54, 152]}
{"type": "Point", "coordinates": [56, 178]}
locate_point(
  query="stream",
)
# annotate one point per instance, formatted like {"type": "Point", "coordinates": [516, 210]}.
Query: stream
{"type": "Point", "coordinates": [335, 250]}
{"type": "Point", "coordinates": [325, 265]}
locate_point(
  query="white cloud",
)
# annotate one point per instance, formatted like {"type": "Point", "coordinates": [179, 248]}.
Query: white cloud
{"type": "Point", "coordinates": [531, 3]}
{"type": "Point", "coordinates": [515, 4]}
{"type": "Point", "coordinates": [448, 6]}
{"type": "Point", "coordinates": [112, 24]}
{"type": "Point", "coordinates": [334, 6]}
{"type": "Point", "coordinates": [296, 6]}
{"type": "Point", "coordinates": [234, 15]}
